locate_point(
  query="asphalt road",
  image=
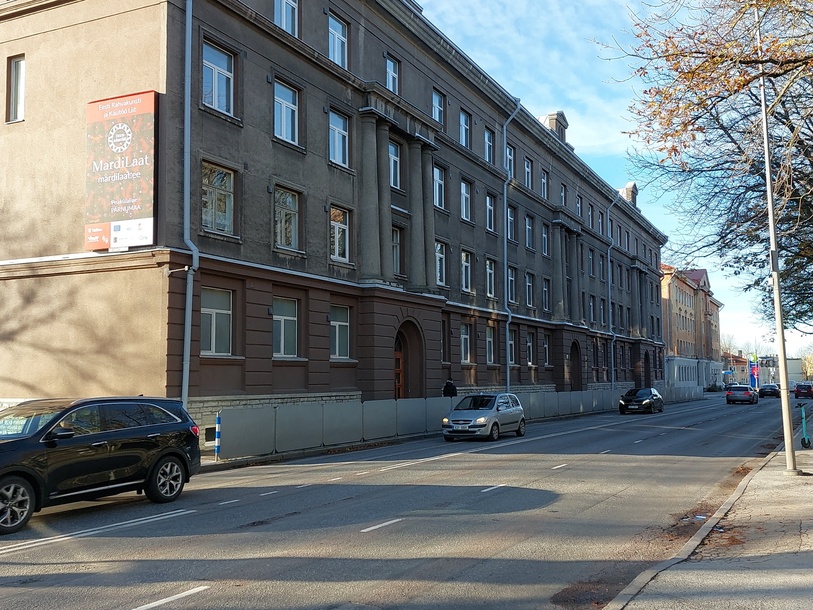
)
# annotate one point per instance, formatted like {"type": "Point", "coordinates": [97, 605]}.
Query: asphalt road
{"type": "Point", "coordinates": [561, 518]}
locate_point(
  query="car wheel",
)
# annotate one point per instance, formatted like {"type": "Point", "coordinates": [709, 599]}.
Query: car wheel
{"type": "Point", "coordinates": [16, 504]}
{"type": "Point", "coordinates": [661, 409]}
{"type": "Point", "coordinates": [448, 439]}
{"type": "Point", "coordinates": [166, 480]}
{"type": "Point", "coordinates": [494, 433]}
{"type": "Point", "coordinates": [622, 411]}
{"type": "Point", "coordinates": [521, 428]}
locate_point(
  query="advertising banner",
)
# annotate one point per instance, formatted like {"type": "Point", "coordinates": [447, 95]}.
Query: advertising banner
{"type": "Point", "coordinates": [120, 172]}
{"type": "Point", "coordinates": [753, 365]}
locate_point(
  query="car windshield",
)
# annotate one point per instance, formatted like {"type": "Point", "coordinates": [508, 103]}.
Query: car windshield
{"type": "Point", "coordinates": [27, 418]}
{"type": "Point", "coordinates": [475, 403]}
{"type": "Point", "coordinates": [637, 393]}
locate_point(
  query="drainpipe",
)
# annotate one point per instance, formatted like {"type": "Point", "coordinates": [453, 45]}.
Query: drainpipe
{"type": "Point", "coordinates": [187, 169]}
{"type": "Point", "coordinates": [505, 245]}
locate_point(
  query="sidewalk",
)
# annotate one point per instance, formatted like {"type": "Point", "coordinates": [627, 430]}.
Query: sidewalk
{"type": "Point", "coordinates": [754, 553]}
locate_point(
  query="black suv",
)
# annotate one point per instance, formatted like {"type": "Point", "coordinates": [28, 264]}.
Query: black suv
{"type": "Point", "coordinates": [62, 450]}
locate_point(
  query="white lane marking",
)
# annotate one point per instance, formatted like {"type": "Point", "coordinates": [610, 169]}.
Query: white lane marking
{"type": "Point", "coordinates": [336, 479]}
{"type": "Point", "coordinates": [605, 451]}
{"type": "Point", "coordinates": [375, 527]}
{"type": "Point", "coordinates": [492, 488]}
{"type": "Point", "coordinates": [268, 493]}
{"type": "Point", "coordinates": [394, 466]}
{"type": "Point", "coordinates": [305, 485]}
{"type": "Point", "coordinates": [358, 474]}
{"type": "Point", "coordinates": [638, 441]}
{"type": "Point", "coordinates": [92, 532]}
{"type": "Point", "coordinates": [559, 466]}
{"type": "Point", "coordinates": [166, 600]}
{"type": "Point", "coordinates": [227, 502]}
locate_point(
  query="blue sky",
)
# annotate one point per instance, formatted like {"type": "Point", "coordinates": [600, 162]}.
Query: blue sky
{"type": "Point", "coordinates": [547, 53]}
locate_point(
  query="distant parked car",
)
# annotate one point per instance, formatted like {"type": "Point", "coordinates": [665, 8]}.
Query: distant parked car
{"type": "Point", "coordinates": [769, 389]}
{"type": "Point", "coordinates": [484, 416]}
{"type": "Point", "coordinates": [640, 399]}
{"type": "Point", "coordinates": [61, 450]}
{"type": "Point", "coordinates": [741, 393]}
{"type": "Point", "coordinates": [803, 390]}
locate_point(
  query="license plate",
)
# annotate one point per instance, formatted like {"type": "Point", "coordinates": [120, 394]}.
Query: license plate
{"type": "Point", "coordinates": [461, 427]}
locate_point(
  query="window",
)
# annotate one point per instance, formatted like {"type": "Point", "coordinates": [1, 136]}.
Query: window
{"type": "Point", "coordinates": [546, 294]}
{"type": "Point", "coordinates": [395, 165]}
{"type": "Point", "coordinates": [563, 194]}
{"type": "Point", "coordinates": [529, 172]}
{"type": "Point", "coordinates": [440, 263]}
{"type": "Point", "coordinates": [339, 331]}
{"type": "Point", "coordinates": [543, 178]}
{"type": "Point", "coordinates": [217, 207]}
{"type": "Point", "coordinates": [465, 271]}
{"type": "Point", "coordinates": [488, 150]}
{"type": "Point", "coordinates": [465, 343]}
{"type": "Point", "coordinates": [601, 223]}
{"type": "Point", "coordinates": [601, 266]}
{"type": "Point", "coordinates": [590, 257]}
{"type": "Point", "coordinates": [530, 342]}
{"type": "Point", "coordinates": [393, 70]}
{"type": "Point", "coordinates": [439, 107]}
{"type": "Point", "coordinates": [439, 189]}
{"type": "Point", "coordinates": [627, 241]}
{"type": "Point", "coordinates": [592, 308]}
{"type": "Point", "coordinates": [490, 211]}
{"type": "Point", "coordinates": [337, 40]}
{"type": "Point", "coordinates": [16, 89]}
{"type": "Point", "coordinates": [491, 277]}
{"type": "Point", "coordinates": [579, 205]}
{"type": "Point", "coordinates": [465, 200]}
{"type": "Point", "coordinates": [545, 235]}
{"type": "Point", "coordinates": [285, 327]}
{"type": "Point", "coordinates": [510, 223]}
{"type": "Point", "coordinates": [590, 216]}
{"type": "Point", "coordinates": [509, 161]}
{"type": "Point", "coordinates": [286, 104]}
{"type": "Point", "coordinates": [512, 285]}
{"type": "Point", "coordinates": [286, 219]}
{"type": "Point", "coordinates": [218, 79]}
{"type": "Point", "coordinates": [339, 138]}
{"type": "Point", "coordinates": [465, 129]}
{"type": "Point", "coordinates": [529, 232]}
{"type": "Point", "coordinates": [397, 253]}
{"type": "Point", "coordinates": [546, 349]}
{"type": "Point", "coordinates": [602, 311]}
{"type": "Point", "coordinates": [285, 15]}
{"type": "Point", "coordinates": [339, 234]}
{"type": "Point", "coordinates": [489, 345]}
{"type": "Point", "coordinates": [512, 345]}
{"type": "Point", "coordinates": [215, 322]}
{"type": "Point", "coordinates": [529, 289]}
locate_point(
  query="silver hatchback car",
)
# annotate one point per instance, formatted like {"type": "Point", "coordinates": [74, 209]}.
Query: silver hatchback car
{"type": "Point", "coordinates": [484, 416]}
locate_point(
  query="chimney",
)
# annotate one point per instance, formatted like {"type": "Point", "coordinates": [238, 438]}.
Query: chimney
{"type": "Point", "coordinates": [630, 193]}
{"type": "Point", "coordinates": [557, 123]}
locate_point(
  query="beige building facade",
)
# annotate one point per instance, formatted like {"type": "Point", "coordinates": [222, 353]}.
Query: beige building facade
{"type": "Point", "coordinates": [217, 200]}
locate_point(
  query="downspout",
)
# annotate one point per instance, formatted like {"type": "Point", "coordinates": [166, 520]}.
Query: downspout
{"type": "Point", "coordinates": [610, 298]}
{"type": "Point", "coordinates": [505, 245]}
{"type": "Point", "coordinates": [187, 169]}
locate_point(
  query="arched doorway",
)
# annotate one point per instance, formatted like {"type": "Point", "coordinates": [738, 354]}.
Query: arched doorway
{"type": "Point", "coordinates": [408, 373]}
{"type": "Point", "coordinates": [574, 363]}
{"type": "Point", "coordinates": [647, 371]}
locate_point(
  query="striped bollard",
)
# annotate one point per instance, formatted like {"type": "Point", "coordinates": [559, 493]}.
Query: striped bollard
{"type": "Point", "coordinates": [217, 437]}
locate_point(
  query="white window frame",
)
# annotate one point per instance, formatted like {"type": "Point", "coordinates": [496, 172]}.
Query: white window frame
{"type": "Point", "coordinates": [529, 173]}
{"type": "Point", "coordinates": [395, 164]}
{"type": "Point", "coordinates": [530, 340]}
{"type": "Point", "coordinates": [393, 82]}
{"type": "Point", "coordinates": [339, 331]}
{"type": "Point", "coordinates": [440, 263]}
{"type": "Point", "coordinates": [510, 224]}
{"type": "Point", "coordinates": [439, 186]}
{"type": "Point", "coordinates": [465, 343]}
{"type": "Point", "coordinates": [563, 195]}
{"type": "Point", "coordinates": [465, 200]}
{"type": "Point", "coordinates": [512, 346]}
{"type": "Point", "coordinates": [397, 232]}
{"type": "Point", "coordinates": [490, 345]}
{"type": "Point", "coordinates": [284, 326]}
{"type": "Point", "coordinates": [337, 40]}
{"type": "Point", "coordinates": [512, 284]}
{"type": "Point", "coordinates": [488, 145]}
{"type": "Point", "coordinates": [509, 161]}
{"type": "Point", "coordinates": [286, 219]}
{"type": "Point", "coordinates": [529, 232]}
{"type": "Point", "coordinates": [529, 289]}
{"type": "Point", "coordinates": [491, 277]}
{"type": "Point", "coordinates": [16, 93]}
{"type": "Point", "coordinates": [214, 318]}
{"type": "Point", "coordinates": [545, 238]}
{"type": "Point", "coordinates": [465, 270]}
{"type": "Point", "coordinates": [439, 107]}
{"type": "Point", "coordinates": [579, 210]}
{"type": "Point", "coordinates": [217, 205]}
{"type": "Point", "coordinates": [465, 129]}
{"type": "Point", "coordinates": [286, 15]}
{"type": "Point", "coordinates": [339, 234]}
{"type": "Point", "coordinates": [339, 139]}
{"type": "Point", "coordinates": [491, 211]}
{"type": "Point", "coordinates": [546, 349]}
{"type": "Point", "coordinates": [543, 179]}
{"type": "Point", "coordinates": [546, 287]}
{"type": "Point", "coordinates": [220, 77]}
{"type": "Point", "coordinates": [286, 113]}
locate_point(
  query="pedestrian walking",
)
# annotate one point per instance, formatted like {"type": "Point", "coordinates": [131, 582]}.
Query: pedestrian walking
{"type": "Point", "coordinates": [449, 389]}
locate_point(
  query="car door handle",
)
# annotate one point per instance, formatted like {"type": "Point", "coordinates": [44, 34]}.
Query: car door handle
{"type": "Point", "coordinates": [157, 434]}
{"type": "Point", "coordinates": [99, 444]}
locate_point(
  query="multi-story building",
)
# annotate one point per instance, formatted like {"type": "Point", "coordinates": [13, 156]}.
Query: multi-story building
{"type": "Point", "coordinates": [226, 198]}
{"type": "Point", "coordinates": [691, 329]}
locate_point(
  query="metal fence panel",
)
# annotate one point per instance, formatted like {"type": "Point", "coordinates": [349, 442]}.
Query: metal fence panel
{"type": "Point", "coordinates": [247, 432]}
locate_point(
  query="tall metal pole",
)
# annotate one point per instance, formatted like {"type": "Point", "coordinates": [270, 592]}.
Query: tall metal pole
{"type": "Point", "coordinates": [787, 420]}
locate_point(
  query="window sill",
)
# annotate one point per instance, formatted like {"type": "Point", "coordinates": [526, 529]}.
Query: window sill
{"type": "Point", "coordinates": [234, 239]}
{"type": "Point", "coordinates": [344, 168]}
{"type": "Point", "coordinates": [293, 252]}
{"type": "Point", "coordinates": [221, 115]}
{"type": "Point", "coordinates": [335, 262]}
{"type": "Point", "coordinates": [294, 146]}
{"type": "Point", "coordinates": [222, 358]}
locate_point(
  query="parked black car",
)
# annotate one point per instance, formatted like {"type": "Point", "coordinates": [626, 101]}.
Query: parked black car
{"type": "Point", "coordinates": [769, 389]}
{"type": "Point", "coordinates": [803, 390]}
{"type": "Point", "coordinates": [56, 451]}
{"type": "Point", "coordinates": [640, 399]}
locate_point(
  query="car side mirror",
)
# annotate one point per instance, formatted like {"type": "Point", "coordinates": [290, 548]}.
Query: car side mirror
{"type": "Point", "coordinates": [60, 434]}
